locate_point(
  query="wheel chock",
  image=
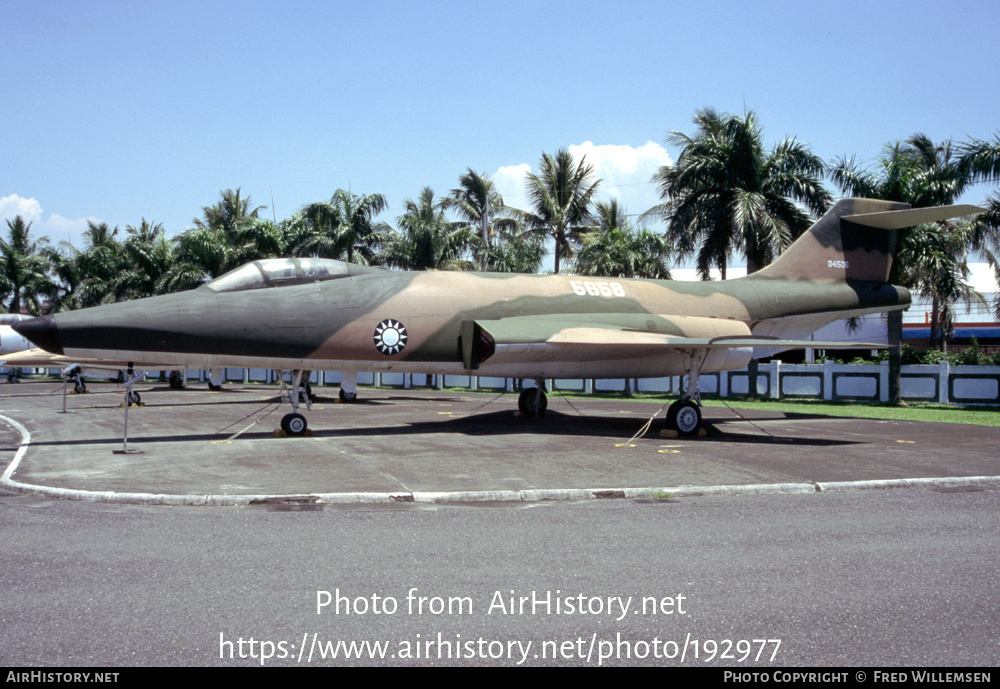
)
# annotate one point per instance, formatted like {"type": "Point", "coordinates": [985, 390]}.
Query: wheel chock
{"type": "Point", "coordinates": [668, 433]}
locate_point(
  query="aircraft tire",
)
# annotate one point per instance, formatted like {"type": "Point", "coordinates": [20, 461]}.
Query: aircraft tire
{"type": "Point", "coordinates": [176, 381]}
{"type": "Point", "coordinates": [12, 378]}
{"type": "Point", "coordinates": [214, 388]}
{"type": "Point", "coordinates": [526, 402]}
{"type": "Point", "coordinates": [347, 396]}
{"type": "Point", "coordinates": [79, 387]}
{"type": "Point", "coordinates": [133, 398]}
{"type": "Point", "coordinates": [294, 424]}
{"type": "Point", "coordinates": [684, 416]}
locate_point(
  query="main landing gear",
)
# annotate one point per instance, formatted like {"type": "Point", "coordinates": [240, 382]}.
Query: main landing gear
{"type": "Point", "coordinates": [348, 386]}
{"type": "Point", "coordinates": [532, 401]}
{"type": "Point", "coordinates": [684, 415]}
{"type": "Point", "coordinates": [215, 379]}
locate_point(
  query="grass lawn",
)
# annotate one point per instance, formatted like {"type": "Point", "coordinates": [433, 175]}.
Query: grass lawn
{"type": "Point", "coordinates": [980, 415]}
{"type": "Point", "coordinates": [917, 411]}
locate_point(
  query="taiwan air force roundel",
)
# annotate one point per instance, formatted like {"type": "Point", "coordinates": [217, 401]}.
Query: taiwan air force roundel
{"type": "Point", "coordinates": [390, 337]}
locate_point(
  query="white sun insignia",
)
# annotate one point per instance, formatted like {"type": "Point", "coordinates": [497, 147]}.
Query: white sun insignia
{"type": "Point", "coordinates": [390, 337]}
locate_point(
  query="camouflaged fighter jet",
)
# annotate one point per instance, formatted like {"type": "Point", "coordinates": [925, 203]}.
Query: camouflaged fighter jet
{"type": "Point", "coordinates": [316, 314]}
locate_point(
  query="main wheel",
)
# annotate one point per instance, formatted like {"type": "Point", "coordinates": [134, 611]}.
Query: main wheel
{"type": "Point", "coordinates": [532, 402]}
{"type": "Point", "coordinates": [176, 381]}
{"type": "Point", "coordinates": [294, 424]}
{"type": "Point", "coordinates": [347, 396]}
{"type": "Point", "coordinates": [79, 386]}
{"type": "Point", "coordinates": [132, 398]}
{"type": "Point", "coordinates": [684, 416]}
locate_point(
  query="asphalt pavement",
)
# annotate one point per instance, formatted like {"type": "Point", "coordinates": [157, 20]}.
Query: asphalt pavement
{"type": "Point", "coordinates": [195, 446]}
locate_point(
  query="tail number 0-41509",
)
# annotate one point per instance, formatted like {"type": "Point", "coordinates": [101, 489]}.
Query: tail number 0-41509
{"type": "Point", "coordinates": [597, 289]}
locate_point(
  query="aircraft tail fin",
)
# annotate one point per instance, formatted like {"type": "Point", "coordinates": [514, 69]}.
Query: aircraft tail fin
{"type": "Point", "coordinates": [850, 242]}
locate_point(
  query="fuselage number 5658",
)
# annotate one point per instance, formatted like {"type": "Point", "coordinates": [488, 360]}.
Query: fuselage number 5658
{"type": "Point", "coordinates": [597, 289]}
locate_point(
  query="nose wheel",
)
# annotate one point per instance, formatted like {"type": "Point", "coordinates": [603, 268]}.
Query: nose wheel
{"type": "Point", "coordinates": [295, 424]}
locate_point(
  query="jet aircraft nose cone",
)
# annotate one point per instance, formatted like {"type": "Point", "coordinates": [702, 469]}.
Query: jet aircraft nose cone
{"type": "Point", "coordinates": [42, 331]}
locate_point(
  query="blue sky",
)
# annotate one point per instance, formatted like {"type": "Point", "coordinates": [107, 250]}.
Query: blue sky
{"type": "Point", "coordinates": [119, 111]}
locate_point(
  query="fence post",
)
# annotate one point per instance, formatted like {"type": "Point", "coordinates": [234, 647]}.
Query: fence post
{"type": "Point", "coordinates": [943, 388]}
{"type": "Point", "coordinates": [883, 381]}
{"type": "Point", "coordinates": [775, 379]}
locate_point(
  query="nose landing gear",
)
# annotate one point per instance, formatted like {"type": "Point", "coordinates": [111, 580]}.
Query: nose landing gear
{"type": "Point", "coordinates": [295, 424]}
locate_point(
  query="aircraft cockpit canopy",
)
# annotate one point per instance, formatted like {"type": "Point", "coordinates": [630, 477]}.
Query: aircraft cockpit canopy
{"type": "Point", "coordinates": [278, 272]}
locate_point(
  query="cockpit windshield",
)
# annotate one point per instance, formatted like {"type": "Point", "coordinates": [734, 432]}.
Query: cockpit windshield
{"type": "Point", "coordinates": [276, 272]}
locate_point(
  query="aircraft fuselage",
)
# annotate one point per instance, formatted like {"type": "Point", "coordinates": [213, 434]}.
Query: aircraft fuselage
{"type": "Point", "coordinates": [413, 322]}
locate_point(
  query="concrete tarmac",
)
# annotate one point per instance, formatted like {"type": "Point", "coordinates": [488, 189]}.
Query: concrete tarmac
{"type": "Point", "coordinates": [200, 447]}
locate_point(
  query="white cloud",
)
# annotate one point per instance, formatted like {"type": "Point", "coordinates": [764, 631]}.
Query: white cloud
{"type": "Point", "coordinates": [625, 172]}
{"type": "Point", "coordinates": [57, 228]}
{"type": "Point", "coordinates": [509, 181]}
{"type": "Point", "coordinates": [12, 206]}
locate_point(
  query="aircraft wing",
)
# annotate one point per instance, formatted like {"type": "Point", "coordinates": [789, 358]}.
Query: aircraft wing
{"type": "Point", "coordinates": [542, 338]}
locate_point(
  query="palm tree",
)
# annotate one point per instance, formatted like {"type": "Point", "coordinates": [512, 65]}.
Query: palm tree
{"type": "Point", "coordinates": [68, 276]}
{"type": "Point", "coordinates": [229, 234]}
{"type": "Point", "coordinates": [513, 252]}
{"type": "Point", "coordinates": [561, 196]}
{"type": "Point", "coordinates": [343, 227]}
{"type": "Point", "coordinates": [726, 194]}
{"type": "Point", "coordinates": [22, 267]}
{"type": "Point", "coordinates": [148, 256]}
{"type": "Point", "coordinates": [923, 174]}
{"type": "Point", "coordinates": [230, 215]}
{"type": "Point", "coordinates": [427, 241]}
{"type": "Point", "coordinates": [615, 249]}
{"type": "Point", "coordinates": [980, 160]}
{"type": "Point", "coordinates": [481, 206]}
{"type": "Point", "coordinates": [100, 263]}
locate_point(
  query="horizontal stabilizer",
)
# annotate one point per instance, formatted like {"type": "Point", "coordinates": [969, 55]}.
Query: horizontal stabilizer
{"type": "Point", "coordinates": [840, 246]}
{"type": "Point", "coordinates": [897, 220]}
